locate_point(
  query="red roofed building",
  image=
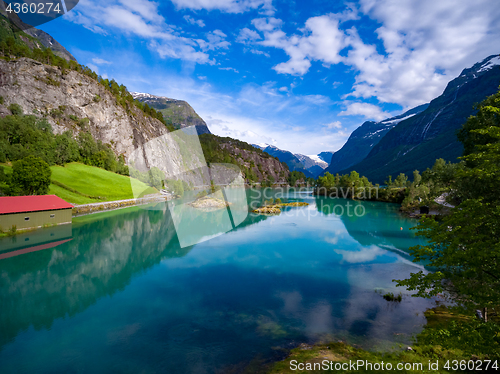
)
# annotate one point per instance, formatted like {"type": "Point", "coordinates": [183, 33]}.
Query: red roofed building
{"type": "Point", "coordinates": [25, 212]}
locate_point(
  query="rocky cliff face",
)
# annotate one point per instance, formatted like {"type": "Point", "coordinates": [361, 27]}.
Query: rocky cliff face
{"type": "Point", "coordinates": [73, 101]}
{"type": "Point", "coordinates": [262, 167]}
{"type": "Point", "coordinates": [293, 162]}
{"type": "Point", "coordinates": [178, 112]}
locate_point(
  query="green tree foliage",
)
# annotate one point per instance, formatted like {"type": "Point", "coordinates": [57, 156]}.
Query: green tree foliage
{"type": "Point", "coordinates": [347, 186]}
{"type": "Point", "coordinates": [66, 148]}
{"type": "Point", "coordinates": [16, 109]}
{"type": "Point", "coordinates": [465, 246]}
{"type": "Point", "coordinates": [5, 182]}
{"type": "Point", "coordinates": [401, 180]}
{"type": "Point", "coordinates": [156, 177]}
{"type": "Point", "coordinates": [31, 176]}
{"type": "Point", "coordinates": [23, 136]}
{"type": "Point", "coordinates": [417, 193]}
{"type": "Point", "coordinates": [488, 115]}
{"type": "Point", "coordinates": [217, 150]}
{"type": "Point", "coordinates": [177, 186]}
{"type": "Point", "coordinates": [295, 176]}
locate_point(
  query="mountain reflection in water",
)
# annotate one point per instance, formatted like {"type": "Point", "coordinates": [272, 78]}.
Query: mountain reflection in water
{"type": "Point", "coordinates": [123, 296]}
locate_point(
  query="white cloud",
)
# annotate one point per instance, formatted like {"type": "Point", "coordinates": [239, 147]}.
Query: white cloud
{"type": "Point", "coordinates": [247, 36]}
{"type": "Point", "coordinates": [215, 39]}
{"type": "Point", "coordinates": [229, 69]}
{"type": "Point", "coordinates": [267, 24]}
{"type": "Point", "coordinates": [100, 61]}
{"type": "Point", "coordinates": [193, 21]}
{"type": "Point", "coordinates": [229, 6]}
{"type": "Point", "coordinates": [179, 50]}
{"type": "Point", "coordinates": [426, 44]}
{"type": "Point", "coordinates": [369, 111]}
{"type": "Point", "coordinates": [321, 40]}
{"type": "Point", "coordinates": [141, 18]}
{"type": "Point", "coordinates": [94, 68]}
{"type": "Point", "coordinates": [334, 125]}
{"type": "Point", "coordinates": [366, 254]}
{"type": "Point", "coordinates": [259, 52]}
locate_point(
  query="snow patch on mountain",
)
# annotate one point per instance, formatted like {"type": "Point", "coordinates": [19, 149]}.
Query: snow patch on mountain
{"type": "Point", "coordinates": [397, 120]}
{"type": "Point", "coordinates": [489, 64]}
{"type": "Point", "coordinates": [318, 159]}
{"type": "Point", "coordinates": [142, 95]}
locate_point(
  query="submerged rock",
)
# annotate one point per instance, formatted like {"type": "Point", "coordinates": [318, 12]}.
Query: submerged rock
{"type": "Point", "coordinates": [276, 208]}
{"type": "Point", "coordinates": [209, 203]}
{"type": "Point", "coordinates": [272, 209]}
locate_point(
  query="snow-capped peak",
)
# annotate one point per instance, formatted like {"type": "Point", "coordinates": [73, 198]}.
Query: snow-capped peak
{"type": "Point", "coordinates": [489, 64]}
{"type": "Point", "coordinates": [317, 159]}
{"type": "Point", "coordinates": [262, 145]}
{"type": "Point", "coordinates": [142, 95]}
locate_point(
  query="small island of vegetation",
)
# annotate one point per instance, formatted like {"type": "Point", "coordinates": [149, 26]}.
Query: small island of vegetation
{"type": "Point", "coordinates": [274, 206]}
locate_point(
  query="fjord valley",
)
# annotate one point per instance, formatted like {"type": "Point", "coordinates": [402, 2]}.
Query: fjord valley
{"type": "Point", "coordinates": [241, 256]}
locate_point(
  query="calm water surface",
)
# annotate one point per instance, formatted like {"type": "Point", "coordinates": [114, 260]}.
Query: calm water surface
{"type": "Point", "coordinates": [123, 296]}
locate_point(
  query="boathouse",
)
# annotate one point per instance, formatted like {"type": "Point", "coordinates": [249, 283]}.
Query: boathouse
{"type": "Point", "coordinates": [25, 212]}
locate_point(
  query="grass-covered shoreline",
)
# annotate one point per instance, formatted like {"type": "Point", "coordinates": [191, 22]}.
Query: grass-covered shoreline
{"type": "Point", "coordinates": [448, 337]}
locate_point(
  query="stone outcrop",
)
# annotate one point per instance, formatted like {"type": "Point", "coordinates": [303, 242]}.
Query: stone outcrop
{"type": "Point", "coordinates": [47, 91]}
{"type": "Point", "coordinates": [69, 100]}
{"type": "Point", "coordinates": [260, 166]}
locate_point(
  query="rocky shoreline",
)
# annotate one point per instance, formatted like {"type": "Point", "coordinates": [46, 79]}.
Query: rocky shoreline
{"type": "Point", "coordinates": [79, 210]}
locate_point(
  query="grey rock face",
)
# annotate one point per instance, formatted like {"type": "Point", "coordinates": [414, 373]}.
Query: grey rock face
{"type": "Point", "coordinates": [264, 166]}
{"type": "Point", "coordinates": [179, 112]}
{"type": "Point", "coordinates": [46, 91]}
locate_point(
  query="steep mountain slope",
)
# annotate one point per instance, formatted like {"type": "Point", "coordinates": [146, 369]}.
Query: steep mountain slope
{"type": "Point", "coordinates": [49, 42]}
{"type": "Point", "coordinates": [293, 162]}
{"type": "Point", "coordinates": [310, 161]}
{"type": "Point", "coordinates": [33, 37]}
{"type": "Point", "coordinates": [326, 156]}
{"type": "Point", "coordinates": [314, 164]}
{"type": "Point", "coordinates": [177, 112]}
{"type": "Point", "coordinates": [364, 138]}
{"type": "Point", "coordinates": [255, 164]}
{"type": "Point", "coordinates": [417, 142]}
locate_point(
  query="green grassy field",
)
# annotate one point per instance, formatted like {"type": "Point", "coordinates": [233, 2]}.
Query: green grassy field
{"type": "Point", "coordinates": [82, 184]}
{"type": "Point", "coordinates": [92, 184]}
{"type": "Point", "coordinates": [70, 196]}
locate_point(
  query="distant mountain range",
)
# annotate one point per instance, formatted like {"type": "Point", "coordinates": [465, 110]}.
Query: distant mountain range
{"type": "Point", "coordinates": [415, 139]}
{"type": "Point", "coordinates": [178, 112]}
{"type": "Point", "coordinates": [311, 166]}
{"type": "Point", "coordinates": [364, 138]}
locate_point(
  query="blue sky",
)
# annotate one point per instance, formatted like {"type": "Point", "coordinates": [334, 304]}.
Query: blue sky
{"type": "Point", "coordinates": [301, 75]}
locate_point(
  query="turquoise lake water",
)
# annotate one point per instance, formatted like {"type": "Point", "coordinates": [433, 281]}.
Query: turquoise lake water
{"type": "Point", "coordinates": [123, 296]}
